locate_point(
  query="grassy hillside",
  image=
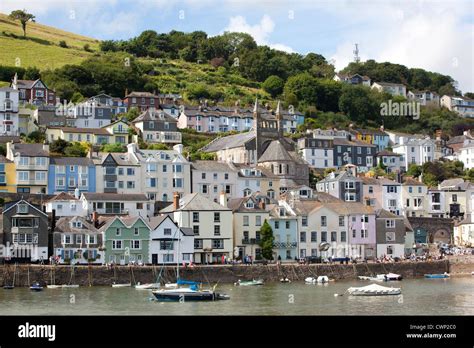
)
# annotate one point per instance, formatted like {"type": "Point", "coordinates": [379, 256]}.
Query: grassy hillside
{"type": "Point", "coordinates": [41, 46]}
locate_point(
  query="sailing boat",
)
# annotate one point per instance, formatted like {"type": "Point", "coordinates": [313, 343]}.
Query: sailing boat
{"type": "Point", "coordinates": [119, 285]}
{"type": "Point", "coordinates": [70, 280]}
{"type": "Point", "coordinates": [53, 280]}
{"type": "Point", "coordinates": [191, 293]}
{"type": "Point", "coordinates": [9, 287]}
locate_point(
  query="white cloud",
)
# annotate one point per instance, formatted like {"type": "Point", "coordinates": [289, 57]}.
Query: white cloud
{"type": "Point", "coordinates": [260, 32]}
{"type": "Point", "coordinates": [430, 35]}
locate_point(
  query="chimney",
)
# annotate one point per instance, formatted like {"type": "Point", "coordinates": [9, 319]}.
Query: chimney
{"type": "Point", "coordinates": [95, 219]}
{"type": "Point", "coordinates": [223, 199]}
{"type": "Point", "coordinates": [132, 148]}
{"type": "Point", "coordinates": [126, 92]}
{"type": "Point", "coordinates": [9, 149]}
{"type": "Point", "coordinates": [261, 204]}
{"type": "Point", "coordinates": [77, 193]}
{"type": "Point", "coordinates": [45, 146]}
{"type": "Point", "coordinates": [176, 201]}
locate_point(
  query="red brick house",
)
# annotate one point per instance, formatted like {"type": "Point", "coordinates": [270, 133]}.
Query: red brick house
{"type": "Point", "coordinates": [33, 92]}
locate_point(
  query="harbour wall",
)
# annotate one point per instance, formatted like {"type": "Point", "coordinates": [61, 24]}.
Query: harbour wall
{"type": "Point", "coordinates": [102, 275]}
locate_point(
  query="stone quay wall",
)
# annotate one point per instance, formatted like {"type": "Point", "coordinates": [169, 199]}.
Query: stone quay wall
{"type": "Point", "coordinates": [105, 276]}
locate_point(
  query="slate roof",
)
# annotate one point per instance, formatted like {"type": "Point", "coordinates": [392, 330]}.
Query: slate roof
{"type": "Point", "coordinates": [97, 131]}
{"type": "Point", "coordinates": [412, 182]}
{"type": "Point", "coordinates": [229, 142]}
{"type": "Point", "coordinates": [150, 115]}
{"type": "Point", "coordinates": [115, 196]}
{"type": "Point", "coordinates": [387, 153]}
{"type": "Point", "coordinates": [195, 202]}
{"type": "Point", "coordinates": [275, 152]}
{"type": "Point", "coordinates": [212, 166]}
{"type": "Point", "coordinates": [64, 225]}
{"type": "Point", "coordinates": [30, 150]}
{"type": "Point", "coordinates": [80, 161]}
{"type": "Point", "coordinates": [63, 196]}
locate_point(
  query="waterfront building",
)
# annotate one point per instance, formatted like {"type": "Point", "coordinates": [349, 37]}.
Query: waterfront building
{"type": "Point", "coordinates": [31, 164]}
{"type": "Point", "coordinates": [250, 213]}
{"type": "Point", "coordinates": [391, 231]}
{"type": "Point", "coordinates": [66, 174]}
{"type": "Point", "coordinates": [126, 240]}
{"type": "Point", "coordinates": [414, 198]}
{"type": "Point", "coordinates": [284, 224]}
{"type": "Point", "coordinates": [343, 184]}
{"type": "Point", "coordinates": [157, 126]}
{"type": "Point", "coordinates": [25, 232]}
{"type": "Point", "coordinates": [76, 240]}
{"type": "Point", "coordinates": [415, 151]}
{"type": "Point", "coordinates": [165, 235]}
{"type": "Point", "coordinates": [210, 222]}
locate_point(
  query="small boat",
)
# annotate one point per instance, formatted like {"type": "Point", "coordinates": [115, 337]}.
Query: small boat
{"type": "Point", "coordinates": [437, 276]}
{"type": "Point", "coordinates": [70, 286]}
{"type": "Point", "coordinates": [373, 290]}
{"type": "Point", "coordinates": [188, 294]}
{"type": "Point", "coordinates": [127, 285]}
{"type": "Point", "coordinates": [249, 282]}
{"type": "Point", "coordinates": [36, 286]}
{"type": "Point", "coordinates": [472, 273]}
{"type": "Point", "coordinates": [149, 286]}
{"type": "Point", "coordinates": [285, 280]}
{"type": "Point", "coordinates": [318, 280]}
{"type": "Point", "coordinates": [52, 286]}
{"type": "Point", "coordinates": [392, 276]}
{"type": "Point", "coordinates": [8, 287]}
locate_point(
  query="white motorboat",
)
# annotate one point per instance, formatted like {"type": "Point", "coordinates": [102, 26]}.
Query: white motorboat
{"type": "Point", "coordinates": [70, 286]}
{"type": "Point", "coordinates": [373, 290]}
{"type": "Point", "coordinates": [121, 285]}
{"type": "Point", "coordinates": [318, 280]}
{"type": "Point", "coordinates": [149, 286]}
{"type": "Point", "coordinates": [52, 286]}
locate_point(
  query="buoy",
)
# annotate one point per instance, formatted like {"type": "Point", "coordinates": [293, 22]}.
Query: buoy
{"type": "Point", "coordinates": [336, 295]}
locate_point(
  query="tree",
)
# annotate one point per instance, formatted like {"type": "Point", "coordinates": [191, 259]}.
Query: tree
{"type": "Point", "coordinates": [469, 95]}
{"type": "Point", "coordinates": [76, 149]}
{"type": "Point", "coordinates": [266, 241]}
{"type": "Point", "coordinates": [113, 148]}
{"type": "Point", "coordinates": [63, 44]}
{"type": "Point", "coordinates": [31, 73]}
{"type": "Point", "coordinates": [22, 16]}
{"type": "Point", "coordinates": [273, 85]}
{"type": "Point", "coordinates": [58, 146]}
{"type": "Point", "coordinates": [414, 170]}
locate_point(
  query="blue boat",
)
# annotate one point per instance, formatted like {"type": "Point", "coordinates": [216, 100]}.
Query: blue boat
{"type": "Point", "coordinates": [437, 276]}
{"type": "Point", "coordinates": [36, 286]}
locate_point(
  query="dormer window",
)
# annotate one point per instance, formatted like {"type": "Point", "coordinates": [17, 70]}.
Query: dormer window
{"type": "Point", "coordinates": [77, 224]}
{"type": "Point", "coordinates": [249, 204]}
{"type": "Point", "coordinates": [282, 211]}
{"type": "Point", "coordinates": [22, 208]}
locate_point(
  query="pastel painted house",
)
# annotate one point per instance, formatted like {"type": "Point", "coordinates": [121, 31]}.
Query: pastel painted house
{"type": "Point", "coordinates": [65, 205]}
{"type": "Point", "coordinates": [284, 224]}
{"type": "Point", "coordinates": [170, 244]}
{"type": "Point", "coordinates": [126, 240]}
{"type": "Point", "coordinates": [66, 174]}
{"type": "Point", "coordinates": [77, 241]}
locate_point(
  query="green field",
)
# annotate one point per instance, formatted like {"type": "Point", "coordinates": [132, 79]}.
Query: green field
{"type": "Point", "coordinates": [41, 46]}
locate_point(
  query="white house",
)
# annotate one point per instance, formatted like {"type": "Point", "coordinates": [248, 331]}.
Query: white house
{"type": "Point", "coordinates": [211, 224]}
{"type": "Point", "coordinates": [65, 204]}
{"type": "Point", "coordinates": [466, 154]}
{"type": "Point", "coordinates": [210, 178]}
{"type": "Point", "coordinates": [424, 97]}
{"type": "Point", "coordinates": [132, 204]}
{"type": "Point", "coordinates": [462, 105]}
{"type": "Point", "coordinates": [395, 89]}
{"type": "Point", "coordinates": [9, 120]}
{"type": "Point", "coordinates": [391, 196]}
{"type": "Point", "coordinates": [170, 244]}
{"type": "Point", "coordinates": [415, 151]}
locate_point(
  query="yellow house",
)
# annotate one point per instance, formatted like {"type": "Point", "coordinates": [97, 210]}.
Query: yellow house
{"type": "Point", "coordinates": [7, 175]}
{"type": "Point", "coordinates": [116, 132]}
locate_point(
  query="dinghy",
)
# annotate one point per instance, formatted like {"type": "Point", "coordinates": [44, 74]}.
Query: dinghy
{"type": "Point", "coordinates": [52, 286]}
{"type": "Point", "coordinates": [36, 287]}
{"type": "Point", "coordinates": [373, 290]}
{"type": "Point", "coordinates": [392, 276]}
{"type": "Point", "coordinates": [127, 285]}
{"type": "Point", "coordinates": [285, 280]}
{"type": "Point", "coordinates": [149, 286]}
{"type": "Point", "coordinates": [318, 280]}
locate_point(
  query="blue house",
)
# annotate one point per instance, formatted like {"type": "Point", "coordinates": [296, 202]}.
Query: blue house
{"type": "Point", "coordinates": [68, 173]}
{"type": "Point", "coordinates": [285, 231]}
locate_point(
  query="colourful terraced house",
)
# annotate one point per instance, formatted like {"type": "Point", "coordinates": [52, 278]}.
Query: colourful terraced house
{"type": "Point", "coordinates": [126, 240]}
{"type": "Point", "coordinates": [7, 175]}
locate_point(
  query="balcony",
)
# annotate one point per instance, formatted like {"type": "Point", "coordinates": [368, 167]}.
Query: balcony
{"type": "Point", "coordinates": [20, 166]}
{"type": "Point", "coordinates": [285, 245]}
{"type": "Point", "coordinates": [33, 182]}
{"type": "Point", "coordinates": [169, 137]}
{"type": "Point", "coordinates": [247, 241]}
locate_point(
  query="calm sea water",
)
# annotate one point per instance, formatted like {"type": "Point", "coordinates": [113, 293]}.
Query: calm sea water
{"type": "Point", "coordinates": [420, 296]}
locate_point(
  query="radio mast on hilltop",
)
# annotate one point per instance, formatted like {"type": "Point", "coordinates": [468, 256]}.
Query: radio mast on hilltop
{"type": "Point", "coordinates": [356, 54]}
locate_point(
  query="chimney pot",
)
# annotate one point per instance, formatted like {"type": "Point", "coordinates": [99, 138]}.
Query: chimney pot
{"type": "Point", "coordinates": [176, 201]}
{"type": "Point", "coordinates": [223, 199]}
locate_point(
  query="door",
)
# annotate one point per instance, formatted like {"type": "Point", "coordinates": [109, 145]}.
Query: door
{"type": "Point", "coordinates": [154, 259]}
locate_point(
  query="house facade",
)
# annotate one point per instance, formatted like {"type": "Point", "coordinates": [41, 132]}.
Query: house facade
{"type": "Point", "coordinates": [425, 98]}
{"type": "Point", "coordinates": [343, 185]}
{"type": "Point", "coordinates": [66, 174]}
{"type": "Point", "coordinates": [25, 232]}
{"type": "Point", "coordinates": [33, 92]}
{"type": "Point", "coordinates": [126, 240]}
{"type": "Point", "coordinates": [210, 178]}
{"type": "Point", "coordinates": [132, 204]}
{"type": "Point", "coordinates": [354, 152]}
{"type": "Point", "coordinates": [374, 137]}
{"type": "Point", "coordinates": [415, 151]}
{"type": "Point", "coordinates": [76, 240]}
{"type": "Point", "coordinates": [7, 175]}
{"type": "Point", "coordinates": [391, 231]}
{"type": "Point", "coordinates": [461, 105]}
{"type": "Point", "coordinates": [170, 244]}
{"type": "Point", "coordinates": [414, 198]}
{"type": "Point", "coordinates": [65, 205]}
{"type": "Point", "coordinates": [284, 224]}
{"type": "Point", "coordinates": [390, 160]}
{"type": "Point", "coordinates": [9, 108]}
{"type": "Point", "coordinates": [157, 126]}
{"type": "Point", "coordinates": [395, 89]}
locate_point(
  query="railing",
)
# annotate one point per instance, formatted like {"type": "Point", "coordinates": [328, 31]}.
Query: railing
{"type": "Point", "coordinates": [169, 137]}
{"type": "Point", "coordinates": [33, 182]}
{"type": "Point", "coordinates": [285, 245]}
{"type": "Point", "coordinates": [32, 166]}
{"type": "Point", "coordinates": [250, 241]}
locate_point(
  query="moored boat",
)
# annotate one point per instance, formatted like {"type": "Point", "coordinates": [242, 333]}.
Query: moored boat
{"type": "Point", "coordinates": [392, 276]}
{"type": "Point", "coordinates": [149, 286]}
{"type": "Point", "coordinates": [318, 280]}
{"type": "Point", "coordinates": [188, 294]}
{"type": "Point", "coordinates": [437, 276]}
{"type": "Point", "coordinates": [285, 280]}
{"type": "Point", "coordinates": [36, 286]}
{"type": "Point", "coordinates": [126, 285]}
{"type": "Point", "coordinates": [373, 290]}
{"type": "Point", "coordinates": [249, 282]}
{"type": "Point", "coordinates": [53, 286]}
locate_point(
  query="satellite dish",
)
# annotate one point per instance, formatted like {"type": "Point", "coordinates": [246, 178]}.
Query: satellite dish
{"type": "Point", "coordinates": [324, 246]}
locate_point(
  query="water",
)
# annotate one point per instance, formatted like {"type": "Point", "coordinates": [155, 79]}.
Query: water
{"type": "Point", "coordinates": [420, 297]}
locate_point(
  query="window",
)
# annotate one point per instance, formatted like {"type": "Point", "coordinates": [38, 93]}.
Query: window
{"type": "Point", "coordinates": [287, 225]}
{"type": "Point", "coordinates": [72, 182]}
{"type": "Point", "coordinates": [455, 198]}
{"type": "Point", "coordinates": [304, 220]}
{"type": "Point", "coordinates": [217, 230]}
{"type": "Point", "coordinates": [67, 239]}
{"type": "Point", "coordinates": [390, 223]}
{"type": "Point", "coordinates": [314, 236]}
{"type": "Point", "coordinates": [136, 231]}
{"type": "Point", "coordinates": [60, 182]}
{"type": "Point", "coordinates": [166, 245]}
{"type": "Point", "coordinates": [410, 189]}
{"type": "Point", "coordinates": [203, 175]}
{"type": "Point", "coordinates": [135, 244]}
{"type": "Point", "coordinates": [364, 233]}
{"type": "Point", "coordinates": [341, 221]}
{"type": "Point", "coordinates": [177, 168]}
{"type": "Point", "coordinates": [151, 182]}
{"type": "Point", "coordinates": [22, 208]}
{"type": "Point", "coordinates": [226, 176]}
{"type": "Point", "coordinates": [40, 176]}
{"type": "Point", "coordinates": [277, 225]}
{"type": "Point", "coordinates": [130, 184]}
{"type": "Point", "coordinates": [61, 169]}
{"type": "Point", "coordinates": [215, 176]}
{"type": "Point", "coordinates": [116, 244]}
{"type": "Point", "coordinates": [371, 189]}
{"type": "Point", "coordinates": [23, 176]}
{"type": "Point", "coordinates": [353, 233]}
{"type": "Point", "coordinates": [118, 231]}
{"type": "Point", "coordinates": [333, 236]}
{"type": "Point", "coordinates": [258, 220]}
{"type": "Point", "coordinates": [110, 171]}
{"type": "Point", "coordinates": [195, 217]}
{"type": "Point", "coordinates": [151, 167]}
{"type": "Point", "coordinates": [40, 161]}
{"type": "Point", "coordinates": [303, 237]}
{"type": "Point", "coordinates": [217, 217]}
{"type": "Point", "coordinates": [246, 220]}
{"type": "Point", "coordinates": [323, 221]}
{"type": "Point", "coordinates": [198, 244]}
{"type": "Point", "coordinates": [343, 236]}
{"type": "Point", "coordinates": [177, 182]}
{"type": "Point", "coordinates": [324, 236]}
{"type": "Point", "coordinates": [218, 244]}
{"type": "Point", "coordinates": [91, 239]}
{"type": "Point", "coordinates": [196, 230]}
{"type": "Point", "coordinates": [130, 171]}
{"type": "Point", "coordinates": [24, 161]}
{"type": "Point", "coordinates": [78, 238]}
{"type": "Point", "coordinates": [167, 231]}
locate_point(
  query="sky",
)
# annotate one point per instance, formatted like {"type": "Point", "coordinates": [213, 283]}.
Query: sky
{"type": "Point", "coordinates": [430, 34]}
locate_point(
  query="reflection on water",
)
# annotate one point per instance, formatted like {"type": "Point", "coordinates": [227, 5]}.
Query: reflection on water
{"type": "Point", "coordinates": [420, 296]}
